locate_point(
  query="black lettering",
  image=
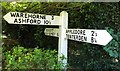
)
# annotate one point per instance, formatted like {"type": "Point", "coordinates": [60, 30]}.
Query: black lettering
{"type": "Point", "coordinates": [82, 38]}
{"type": "Point", "coordinates": [31, 21]}
{"type": "Point", "coordinates": [80, 31]}
{"type": "Point", "coordinates": [67, 31]}
{"type": "Point", "coordinates": [17, 15]}
{"type": "Point", "coordinates": [34, 20]}
{"type": "Point", "coordinates": [14, 14]}
{"type": "Point", "coordinates": [70, 36]}
{"type": "Point", "coordinates": [57, 34]}
{"type": "Point", "coordinates": [27, 20]}
{"type": "Point", "coordinates": [24, 20]}
{"type": "Point", "coordinates": [92, 33]}
{"type": "Point", "coordinates": [21, 14]}
{"type": "Point", "coordinates": [83, 32]}
{"type": "Point", "coordinates": [93, 40]}
{"type": "Point", "coordinates": [42, 17]}
{"type": "Point", "coordinates": [85, 38]}
{"type": "Point", "coordinates": [15, 21]}
{"type": "Point", "coordinates": [29, 15]}
{"type": "Point", "coordinates": [33, 16]}
{"type": "Point", "coordinates": [38, 22]}
{"type": "Point", "coordinates": [76, 37]}
{"type": "Point", "coordinates": [95, 34]}
{"type": "Point", "coordinates": [73, 36]}
{"type": "Point", "coordinates": [37, 16]}
{"type": "Point", "coordinates": [19, 20]}
{"type": "Point", "coordinates": [79, 38]}
{"type": "Point", "coordinates": [74, 31]}
{"type": "Point", "coordinates": [52, 17]}
{"type": "Point", "coordinates": [46, 22]}
{"type": "Point", "coordinates": [25, 15]}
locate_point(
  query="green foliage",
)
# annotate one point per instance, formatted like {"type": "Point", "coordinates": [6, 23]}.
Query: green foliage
{"type": "Point", "coordinates": [113, 48]}
{"type": "Point", "coordinates": [22, 58]}
{"type": "Point", "coordinates": [81, 15]}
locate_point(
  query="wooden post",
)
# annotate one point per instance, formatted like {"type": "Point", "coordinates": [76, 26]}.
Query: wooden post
{"type": "Point", "coordinates": [62, 47]}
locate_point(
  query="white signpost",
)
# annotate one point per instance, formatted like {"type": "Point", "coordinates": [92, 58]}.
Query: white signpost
{"type": "Point", "coordinates": [42, 19]}
{"type": "Point", "coordinates": [101, 37]}
{"type": "Point", "coordinates": [32, 19]}
{"type": "Point", "coordinates": [52, 32]}
{"type": "Point", "coordinates": [62, 50]}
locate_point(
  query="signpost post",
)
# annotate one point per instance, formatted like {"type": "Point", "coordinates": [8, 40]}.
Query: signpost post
{"type": "Point", "coordinates": [101, 37]}
{"type": "Point", "coordinates": [62, 47]}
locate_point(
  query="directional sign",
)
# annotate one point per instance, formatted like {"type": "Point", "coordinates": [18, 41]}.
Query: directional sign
{"type": "Point", "coordinates": [52, 32]}
{"type": "Point", "coordinates": [101, 37]}
{"type": "Point", "coordinates": [31, 18]}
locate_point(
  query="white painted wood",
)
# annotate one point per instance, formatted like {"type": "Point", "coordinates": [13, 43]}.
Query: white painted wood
{"type": "Point", "coordinates": [62, 47]}
{"type": "Point", "coordinates": [83, 35]}
{"type": "Point", "coordinates": [52, 32]}
{"type": "Point", "coordinates": [100, 37]}
{"type": "Point", "coordinates": [31, 19]}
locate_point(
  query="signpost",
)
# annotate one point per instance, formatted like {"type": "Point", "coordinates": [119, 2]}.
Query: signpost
{"type": "Point", "coordinates": [62, 47]}
{"type": "Point", "coordinates": [101, 37]}
{"type": "Point", "coordinates": [42, 19]}
{"type": "Point", "coordinates": [31, 18]}
{"type": "Point", "coordinates": [84, 35]}
{"type": "Point", "coordinates": [52, 32]}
